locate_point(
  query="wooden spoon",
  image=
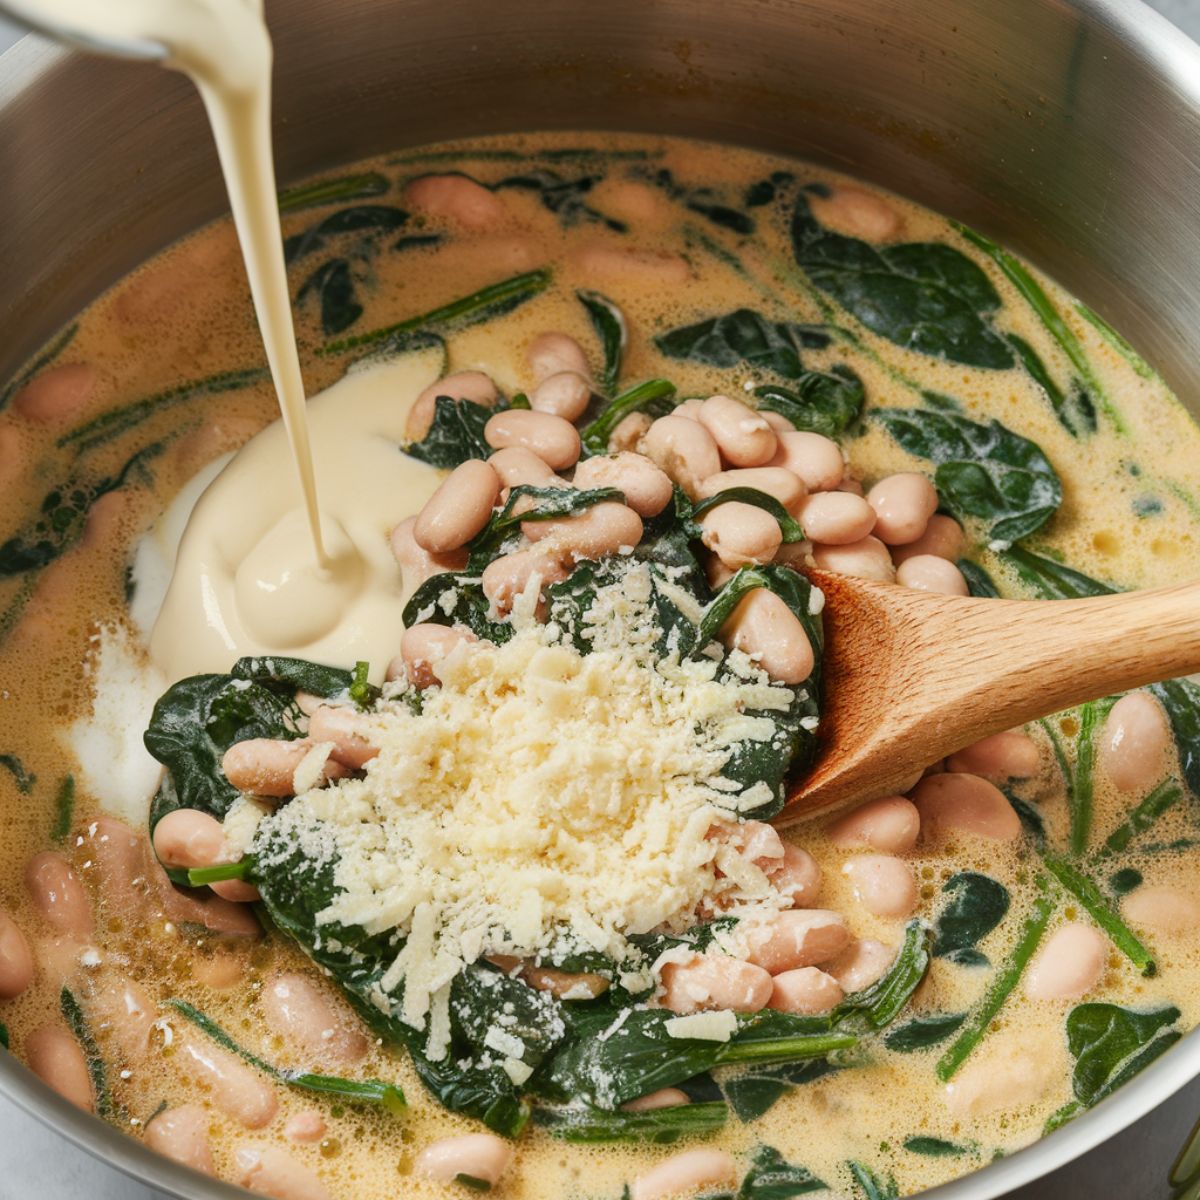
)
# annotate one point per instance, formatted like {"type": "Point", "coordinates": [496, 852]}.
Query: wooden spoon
{"type": "Point", "coordinates": [911, 676]}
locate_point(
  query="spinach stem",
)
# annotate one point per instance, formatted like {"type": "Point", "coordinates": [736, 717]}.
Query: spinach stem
{"type": "Point", "coordinates": [1082, 795]}
{"type": "Point", "coordinates": [200, 876]}
{"type": "Point", "coordinates": [1098, 907]}
{"type": "Point", "coordinates": [1001, 987]}
{"type": "Point", "coordinates": [595, 436]}
{"type": "Point", "coordinates": [328, 191]}
{"type": "Point", "coordinates": [513, 290]}
{"type": "Point", "coordinates": [74, 1017]}
{"type": "Point", "coordinates": [1164, 797]}
{"type": "Point", "coordinates": [375, 1091]}
{"type": "Point", "coordinates": [64, 809]}
{"type": "Point", "coordinates": [1035, 296]}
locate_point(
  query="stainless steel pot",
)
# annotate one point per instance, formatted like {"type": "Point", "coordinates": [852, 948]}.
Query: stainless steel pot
{"type": "Point", "coordinates": [1069, 130]}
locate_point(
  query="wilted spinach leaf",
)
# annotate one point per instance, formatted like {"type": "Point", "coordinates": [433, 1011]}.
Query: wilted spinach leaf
{"type": "Point", "coordinates": [872, 1186]}
{"type": "Point", "coordinates": [330, 191]}
{"type": "Point", "coordinates": [924, 296]}
{"type": "Point", "coordinates": [772, 1177]}
{"type": "Point", "coordinates": [298, 674]}
{"type": "Point", "coordinates": [654, 396]}
{"type": "Point", "coordinates": [562, 196]}
{"type": "Point", "coordinates": [363, 219]}
{"type": "Point", "coordinates": [1181, 699]}
{"type": "Point", "coordinates": [744, 338]}
{"type": "Point", "coordinates": [62, 516]}
{"type": "Point", "coordinates": [609, 323]}
{"type": "Point", "coordinates": [756, 1090]}
{"type": "Point", "coordinates": [826, 402]}
{"type": "Point", "coordinates": [333, 286]}
{"type": "Point", "coordinates": [932, 1147]}
{"type": "Point", "coordinates": [456, 598]}
{"type": "Point", "coordinates": [1111, 1044]}
{"type": "Point", "coordinates": [1052, 580]}
{"type": "Point", "coordinates": [455, 435]}
{"type": "Point", "coordinates": [983, 471]}
{"type": "Point", "coordinates": [23, 778]}
{"type": "Point", "coordinates": [656, 1127]}
{"type": "Point", "coordinates": [195, 721]}
{"type": "Point", "coordinates": [975, 905]}
{"type": "Point", "coordinates": [923, 1032]}
{"type": "Point", "coordinates": [979, 582]}
{"type": "Point", "coordinates": [1073, 408]}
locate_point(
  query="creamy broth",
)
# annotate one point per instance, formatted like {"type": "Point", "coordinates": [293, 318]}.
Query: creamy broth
{"type": "Point", "coordinates": [179, 334]}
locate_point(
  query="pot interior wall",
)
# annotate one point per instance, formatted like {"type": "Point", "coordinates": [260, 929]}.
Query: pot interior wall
{"type": "Point", "coordinates": [1030, 119]}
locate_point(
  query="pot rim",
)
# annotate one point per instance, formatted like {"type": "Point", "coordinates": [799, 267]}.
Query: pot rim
{"type": "Point", "coordinates": [1166, 52]}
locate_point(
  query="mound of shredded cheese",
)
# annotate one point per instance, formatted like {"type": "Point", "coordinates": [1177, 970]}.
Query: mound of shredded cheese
{"type": "Point", "coordinates": [542, 798]}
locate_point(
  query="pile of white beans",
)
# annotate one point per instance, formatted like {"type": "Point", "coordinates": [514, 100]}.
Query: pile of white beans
{"type": "Point", "coordinates": [799, 959]}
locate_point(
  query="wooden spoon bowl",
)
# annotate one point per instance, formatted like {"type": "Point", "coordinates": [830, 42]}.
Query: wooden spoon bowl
{"type": "Point", "coordinates": [912, 676]}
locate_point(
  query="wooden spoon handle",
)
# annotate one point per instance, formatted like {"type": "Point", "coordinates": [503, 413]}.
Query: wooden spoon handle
{"type": "Point", "coordinates": [1057, 654]}
{"type": "Point", "coordinates": [911, 677]}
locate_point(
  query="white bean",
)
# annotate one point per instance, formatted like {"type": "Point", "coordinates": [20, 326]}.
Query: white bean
{"type": "Point", "coordinates": [507, 577]}
{"type": "Point", "coordinates": [267, 766]}
{"type": "Point", "coordinates": [303, 1014]}
{"type": "Point", "coordinates": [943, 537]}
{"type": "Point", "coordinates": [422, 647]}
{"type": "Point", "coordinates": [1003, 756]}
{"type": "Point", "coordinates": [668, 1097]}
{"type": "Point", "coordinates": [474, 386]}
{"type": "Point", "coordinates": [57, 394]}
{"type": "Point", "coordinates": [1010, 1078]}
{"type": "Point", "coordinates": [714, 981]}
{"type": "Point", "coordinates": [555, 353]}
{"type": "Point", "coordinates": [482, 1156]}
{"type": "Point", "coordinates": [55, 1057]}
{"type": "Point", "coordinates": [797, 876]}
{"type": "Point", "coordinates": [455, 198]}
{"type": "Point", "coordinates": [235, 1088]}
{"type": "Point", "coordinates": [552, 439]}
{"type": "Point", "coordinates": [270, 1171]}
{"type": "Point", "coordinates": [857, 213]}
{"type": "Point", "coordinates": [346, 728]}
{"type": "Point", "coordinates": [182, 1134]}
{"type": "Point", "coordinates": [1133, 746]}
{"type": "Point", "coordinates": [814, 457]}
{"type": "Point", "coordinates": [1164, 909]}
{"type": "Point", "coordinates": [459, 508]}
{"type": "Point", "coordinates": [890, 824]}
{"type": "Point", "coordinates": [928, 573]}
{"type": "Point", "coordinates": [58, 895]}
{"type": "Point", "coordinates": [740, 534]}
{"type": "Point", "coordinates": [868, 559]}
{"type": "Point", "coordinates": [778, 482]}
{"type": "Point", "coordinates": [883, 884]}
{"type": "Point", "coordinates": [807, 990]}
{"type": "Point", "coordinates": [566, 985]}
{"type": "Point", "coordinates": [684, 449]}
{"type": "Point", "coordinates": [16, 959]}
{"type": "Point", "coordinates": [956, 803]}
{"type": "Point", "coordinates": [861, 964]}
{"type": "Point", "coordinates": [416, 563]}
{"type": "Point", "coordinates": [629, 432]}
{"type": "Point", "coordinates": [304, 1127]}
{"type": "Point", "coordinates": [621, 265]}
{"type": "Point", "coordinates": [836, 518]}
{"type": "Point", "coordinates": [600, 529]}
{"type": "Point", "coordinates": [787, 940]}
{"type": "Point", "coordinates": [903, 504]}
{"type": "Point", "coordinates": [684, 1173]}
{"type": "Point", "coordinates": [763, 627]}
{"type": "Point", "coordinates": [565, 394]}
{"type": "Point", "coordinates": [646, 487]}
{"type": "Point", "coordinates": [519, 467]}
{"type": "Point", "coordinates": [743, 436]}
{"type": "Point", "coordinates": [187, 837]}
{"type": "Point", "coordinates": [1068, 965]}
{"type": "Point", "coordinates": [777, 421]}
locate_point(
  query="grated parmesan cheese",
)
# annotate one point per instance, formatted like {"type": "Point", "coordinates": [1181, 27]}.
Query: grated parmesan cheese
{"type": "Point", "coordinates": [717, 1026]}
{"type": "Point", "coordinates": [541, 798]}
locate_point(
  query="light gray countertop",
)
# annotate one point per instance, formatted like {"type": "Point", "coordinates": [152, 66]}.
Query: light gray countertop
{"type": "Point", "coordinates": [35, 1164]}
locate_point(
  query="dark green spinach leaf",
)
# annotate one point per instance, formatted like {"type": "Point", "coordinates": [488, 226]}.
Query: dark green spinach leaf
{"type": "Point", "coordinates": [21, 777]}
{"type": "Point", "coordinates": [655, 1127]}
{"type": "Point", "coordinates": [772, 1177]}
{"type": "Point", "coordinates": [1051, 580]}
{"type": "Point", "coordinates": [975, 905]}
{"type": "Point", "coordinates": [333, 286]}
{"type": "Point", "coordinates": [1074, 408]}
{"type": "Point", "coordinates": [923, 1032]}
{"type": "Point", "coordinates": [609, 323]}
{"type": "Point", "coordinates": [827, 402]}
{"type": "Point", "coordinates": [923, 296]}
{"type": "Point", "coordinates": [455, 435]}
{"type": "Point", "coordinates": [744, 338]}
{"type": "Point", "coordinates": [982, 471]}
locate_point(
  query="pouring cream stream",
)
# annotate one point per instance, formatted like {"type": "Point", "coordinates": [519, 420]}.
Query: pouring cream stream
{"type": "Point", "coordinates": [246, 578]}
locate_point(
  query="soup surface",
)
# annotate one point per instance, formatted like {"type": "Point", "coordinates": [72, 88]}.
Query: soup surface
{"type": "Point", "coordinates": [1038, 889]}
